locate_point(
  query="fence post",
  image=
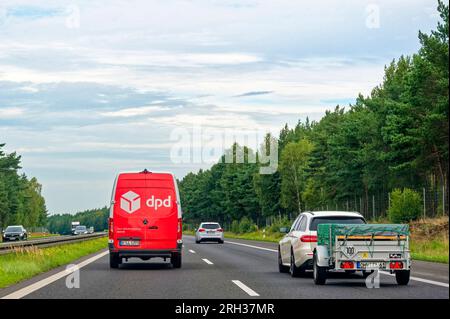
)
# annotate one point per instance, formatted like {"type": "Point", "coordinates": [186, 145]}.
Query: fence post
{"type": "Point", "coordinates": [373, 207]}
{"type": "Point", "coordinates": [443, 200]}
{"type": "Point", "coordinates": [424, 204]}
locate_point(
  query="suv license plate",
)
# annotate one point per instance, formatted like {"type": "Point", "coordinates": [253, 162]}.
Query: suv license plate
{"type": "Point", "coordinates": [372, 265]}
{"type": "Point", "coordinates": [129, 243]}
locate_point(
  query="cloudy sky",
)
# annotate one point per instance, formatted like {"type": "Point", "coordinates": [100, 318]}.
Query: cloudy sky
{"type": "Point", "coordinates": [90, 88]}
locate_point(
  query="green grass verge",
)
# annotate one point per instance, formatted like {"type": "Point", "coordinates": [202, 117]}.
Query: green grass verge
{"type": "Point", "coordinates": [435, 250]}
{"type": "Point", "coordinates": [18, 266]}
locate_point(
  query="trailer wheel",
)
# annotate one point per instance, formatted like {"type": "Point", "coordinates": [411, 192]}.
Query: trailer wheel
{"type": "Point", "coordinates": [114, 260]}
{"type": "Point", "coordinates": [175, 260]}
{"type": "Point", "coordinates": [319, 273]}
{"type": "Point", "coordinates": [281, 268]}
{"type": "Point", "coordinates": [402, 277]}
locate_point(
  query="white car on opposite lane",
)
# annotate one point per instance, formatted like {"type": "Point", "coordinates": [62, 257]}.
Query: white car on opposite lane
{"type": "Point", "coordinates": [209, 231]}
{"type": "Point", "coordinates": [295, 249]}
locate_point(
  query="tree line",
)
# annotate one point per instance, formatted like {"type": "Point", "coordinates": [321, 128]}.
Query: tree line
{"type": "Point", "coordinates": [21, 201]}
{"type": "Point", "coordinates": [61, 223]}
{"type": "Point", "coordinates": [396, 137]}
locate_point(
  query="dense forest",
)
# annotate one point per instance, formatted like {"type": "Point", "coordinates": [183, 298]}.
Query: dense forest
{"type": "Point", "coordinates": [21, 201]}
{"type": "Point", "coordinates": [61, 223]}
{"type": "Point", "coordinates": [396, 137]}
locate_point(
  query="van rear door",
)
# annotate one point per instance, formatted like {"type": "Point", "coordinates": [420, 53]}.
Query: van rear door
{"type": "Point", "coordinates": [161, 213]}
{"type": "Point", "coordinates": [129, 229]}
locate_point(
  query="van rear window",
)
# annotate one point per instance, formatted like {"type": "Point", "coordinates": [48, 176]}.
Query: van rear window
{"type": "Point", "coordinates": [335, 220]}
{"type": "Point", "coordinates": [210, 226]}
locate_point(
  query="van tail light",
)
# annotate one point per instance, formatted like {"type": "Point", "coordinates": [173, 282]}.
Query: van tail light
{"type": "Point", "coordinates": [111, 228]}
{"type": "Point", "coordinates": [220, 230]}
{"type": "Point", "coordinates": [396, 265]}
{"type": "Point", "coordinates": [347, 265]}
{"type": "Point", "coordinates": [201, 230]}
{"type": "Point", "coordinates": [308, 239]}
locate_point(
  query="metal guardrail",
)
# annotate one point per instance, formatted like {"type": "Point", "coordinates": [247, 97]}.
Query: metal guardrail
{"type": "Point", "coordinates": [9, 247]}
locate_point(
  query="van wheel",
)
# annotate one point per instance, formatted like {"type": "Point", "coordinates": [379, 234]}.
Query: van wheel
{"type": "Point", "coordinates": [402, 277]}
{"type": "Point", "coordinates": [175, 260]}
{"type": "Point", "coordinates": [114, 260]}
{"type": "Point", "coordinates": [197, 241]}
{"type": "Point", "coordinates": [319, 273]}
{"type": "Point", "coordinates": [281, 268]}
{"type": "Point", "coordinates": [220, 241]}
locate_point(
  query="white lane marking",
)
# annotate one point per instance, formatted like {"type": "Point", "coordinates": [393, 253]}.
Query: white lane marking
{"type": "Point", "coordinates": [251, 246]}
{"type": "Point", "coordinates": [207, 261]}
{"type": "Point", "coordinates": [44, 282]}
{"type": "Point", "coordinates": [191, 251]}
{"type": "Point", "coordinates": [247, 289]}
{"type": "Point", "coordinates": [432, 282]}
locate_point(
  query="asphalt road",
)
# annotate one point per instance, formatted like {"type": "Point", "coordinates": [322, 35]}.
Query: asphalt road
{"type": "Point", "coordinates": [236, 269]}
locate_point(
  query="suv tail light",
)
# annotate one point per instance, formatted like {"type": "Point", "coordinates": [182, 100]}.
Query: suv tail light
{"type": "Point", "coordinates": [347, 265]}
{"type": "Point", "coordinates": [220, 230]}
{"type": "Point", "coordinates": [201, 230]}
{"type": "Point", "coordinates": [308, 239]}
{"type": "Point", "coordinates": [396, 265]}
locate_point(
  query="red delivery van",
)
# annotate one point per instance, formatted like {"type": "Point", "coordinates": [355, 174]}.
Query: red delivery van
{"type": "Point", "coordinates": [145, 218]}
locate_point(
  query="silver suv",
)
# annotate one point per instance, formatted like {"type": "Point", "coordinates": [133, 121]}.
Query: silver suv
{"type": "Point", "coordinates": [295, 249]}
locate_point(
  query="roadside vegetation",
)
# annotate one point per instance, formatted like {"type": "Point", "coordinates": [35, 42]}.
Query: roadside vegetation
{"type": "Point", "coordinates": [27, 262]}
{"type": "Point", "coordinates": [21, 202]}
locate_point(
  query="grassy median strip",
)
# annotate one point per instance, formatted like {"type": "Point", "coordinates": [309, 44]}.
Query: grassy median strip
{"type": "Point", "coordinates": [28, 262]}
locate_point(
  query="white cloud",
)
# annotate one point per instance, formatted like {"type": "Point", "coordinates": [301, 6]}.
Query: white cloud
{"type": "Point", "coordinates": [134, 111]}
{"type": "Point", "coordinates": [11, 112]}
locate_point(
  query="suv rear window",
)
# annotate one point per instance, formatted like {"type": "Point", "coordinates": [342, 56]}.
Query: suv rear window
{"type": "Point", "coordinates": [210, 226]}
{"type": "Point", "coordinates": [335, 220]}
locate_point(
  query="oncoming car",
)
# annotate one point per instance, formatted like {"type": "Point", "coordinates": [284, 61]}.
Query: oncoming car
{"type": "Point", "coordinates": [17, 232]}
{"type": "Point", "coordinates": [209, 232]}
{"type": "Point", "coordinates": [295, 249]}
{"type": "Point", "coordinates": [80, 230]}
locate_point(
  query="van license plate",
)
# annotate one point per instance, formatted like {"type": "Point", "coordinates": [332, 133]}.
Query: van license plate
{"type": "Point", "coordinates": [129, 243]}
{"type": "Point", "coordinates": [373, 265]}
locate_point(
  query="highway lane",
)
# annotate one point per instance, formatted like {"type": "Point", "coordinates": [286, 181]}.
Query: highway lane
{"type": "Point", "coordinates": [232, 270]}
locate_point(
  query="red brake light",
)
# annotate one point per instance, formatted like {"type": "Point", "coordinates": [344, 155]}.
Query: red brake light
{"type": "Point", "coordinates": [347, 265]}
{"type": "Point", "coordinates": [396, 265]}
{"type": "Point", "coordinates": [308, 239]}
{"type": "Point", "coordinates": [220, 230]}
{"type": "Point", "coordinates": [201, 230]}
{"type": "Point", "coordinates": [111, 228]}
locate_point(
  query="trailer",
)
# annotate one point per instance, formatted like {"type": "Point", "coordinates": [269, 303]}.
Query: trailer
{"type": "Point", "coordinates": [364, 248]}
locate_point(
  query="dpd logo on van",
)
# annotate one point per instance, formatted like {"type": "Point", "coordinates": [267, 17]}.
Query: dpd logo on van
{"type": "Point", "coordinates": [131, 202]}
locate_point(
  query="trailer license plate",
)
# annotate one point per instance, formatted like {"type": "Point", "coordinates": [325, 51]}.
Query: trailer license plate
{"type": "Point", "coordinates": [129, 243]}
{"type": "Point", "coordinates": [372, 265]}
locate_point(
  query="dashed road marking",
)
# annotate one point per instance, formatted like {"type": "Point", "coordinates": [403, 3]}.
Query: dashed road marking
{"type": "Point", "coordinates": [207, 261]}
{"type": "Point", "coordinates": [247, 289]}
{"type": "Point", "coordinates": [191, 251]}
